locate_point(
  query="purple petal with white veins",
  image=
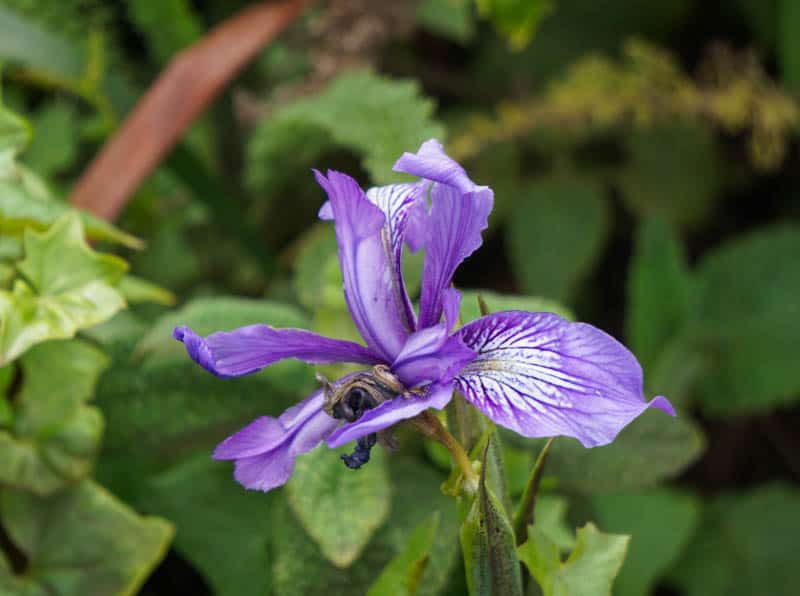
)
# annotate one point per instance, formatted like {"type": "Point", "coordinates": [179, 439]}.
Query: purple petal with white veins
{"type": "Point", "coordinates": [432, 354]}
{"type": "Point", "coordinates": [249, 349]}
{"type": "Point", "coordinates": [452, 233]}
{"type": "Point", "coordinates": [542, 376]}
{"type": "Point", "coordinates": [390, 413]}
{"type": "Point", "coordinates": [377, 305]}
{"type": "Point", "coordinates": [264, 451]}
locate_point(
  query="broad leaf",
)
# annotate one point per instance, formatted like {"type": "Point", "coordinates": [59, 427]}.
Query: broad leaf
{"type": "Point", "coordinates": [748, 322]}
{"type": "Point", "coordinates": [322, 493]}
{"type": "Point", "coordinates": [588, 571]}
{"type": "Point", "coordinates": [556, 234]}
{"type": "Point", "coordinates": [401, 577]}
{"type": "Point", "coordinates": [67, 287]}
{"type": "Point", "coordinates": [661, 524]}
{"type": "Point", "coordinates": [80, 542]}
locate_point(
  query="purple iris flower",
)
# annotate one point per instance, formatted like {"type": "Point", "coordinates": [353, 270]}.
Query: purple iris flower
{"type": "Point", "coordinates": [532, 372]}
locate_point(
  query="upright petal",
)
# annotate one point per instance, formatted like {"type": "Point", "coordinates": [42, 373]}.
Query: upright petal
{"type": "Point", "coordinates": [377, 304]}
{"type": "Point", "coordinates": [265, 450]}
{"type": "Point", "coordinates": [431, 354]}
{"type": "Point", "coordinates": [541, 376]}
{"type": "Point", "coordinates": [452, 232]}
{"type": "Point", "coordinates": [432, 163]}
{"type": "Point", "coordinates": [390, 413]}
{"type": "Point", "coordinates": [249, 349]}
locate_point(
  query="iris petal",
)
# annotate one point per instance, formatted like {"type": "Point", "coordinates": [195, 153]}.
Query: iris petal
{"type": "Point", "coordinates": [541, 376]}
{"type": "Point", "coordinates": [249, 349]}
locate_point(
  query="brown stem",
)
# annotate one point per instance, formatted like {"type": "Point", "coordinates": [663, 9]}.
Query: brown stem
{"type": "Point", "coordinates": [430, 426]}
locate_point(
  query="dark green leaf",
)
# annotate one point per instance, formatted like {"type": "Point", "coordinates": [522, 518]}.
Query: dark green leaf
{"type": "Point", "coordinates": [588, 571]}
{"type": "Point", "coordinates": [320, 489]}
{"type": "Point", "coordinates": [80, 542]}
{"type": "Point", "coordinates": [660, 523]}
{"type": "Point", "coordinates": [789, 43]}
{"type": "Point", "coordinates": [555, 236]}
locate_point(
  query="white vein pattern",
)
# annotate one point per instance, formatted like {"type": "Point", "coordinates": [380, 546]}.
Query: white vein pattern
{"type": "Point", "coordinates": [541, 375]}
{"type": "Point", "coordinates": [396, 201]}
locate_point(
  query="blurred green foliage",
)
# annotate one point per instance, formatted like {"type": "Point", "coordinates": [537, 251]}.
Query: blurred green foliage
{"type": "Point", "coordinates": [645, 179]}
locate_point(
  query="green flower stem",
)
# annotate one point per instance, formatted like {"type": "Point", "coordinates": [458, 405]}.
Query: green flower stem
{"type": "Point", "coordinates": [524, 514]}
{"type": "Point", "coordinates": [430, 426]}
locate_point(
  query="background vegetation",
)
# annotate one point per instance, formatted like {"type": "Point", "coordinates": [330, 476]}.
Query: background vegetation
{"type": "Point", "coordinates": [644, 159]}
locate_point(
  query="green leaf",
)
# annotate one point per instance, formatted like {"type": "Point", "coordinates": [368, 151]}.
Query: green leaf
{"type": "Point", "coordinates": [402, 575]}
{"type": "Point", "coordinates": [15, 133]}
{"type": "Point", "coordinates": [55, 143]}
{"type": "Point", "coordinates": [379, 118]}
{"type": "Point", "coordinates": [674, 172]}
{"type": "Point", "coordinates": [80, 542]}
{"type": "Point", "coordinates": [588, 571]}
{"type": "Point", "coordinates": [300, 568]}
{"type": "Point", "coordinates": [498, 302]}
{"type": "Point", "coordinates": [136, 289]}
{"type": "Point", "coordinates": [488, 545]}
{"type": "Point", "coordinates": [550, 518]}
{"type": "Point", "coordinates": [450, 18]}
{"type": "Point", "coordinates": [55, 437]}
{"type": "Point", "coordinates": [555, 237]}
{"type": "Point", "coordinates": [67, 287]}
{"type": "Point", "coordinates": [168, 26]}
{"type": "Point", "coordinates": [320, 487]}
{"type": "Point", "coordinates": [746, 545]}
{"type": "Point", "coordinates": [660, 523]}
{"type": "Point", "coordinates": [651, 449]}
{"type": "Point", "coordinates": [515, 19]}
{"type": "Point", "coordinates": [748, 322]}
{"type": "Point", "coordinates": [659, 291]}
{"type": "Point", "coordinates": [789, 43]}
{"type": "Point", "coordinates": [202, 499]}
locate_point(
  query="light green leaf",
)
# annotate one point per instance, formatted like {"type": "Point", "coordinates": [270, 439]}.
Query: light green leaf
{"type": "Point", "coordinates": [746, 545]}
{"type": "Point", "coordinates": [651, 449]}
{"type": "Point", "coordinates": [136, 289]}
{"type": "Point", "coordinates": [450, 18]}
{"type": "Point", "coordinates": [588, 571]}
{"type": "Point", "coordinates": [748, 322]}
{"type": "Point", "coordinates": [488, 545]}
{"type": "Point", "coordinates": [15, 133]}
{"type": "Point", "coordinates": [674, 173]}
{"type": "Point", "coordinates": [557, 233]}
{"type": "Point", "coordinates": [202, 499]}
{"type": "Point", "coordinates": [55, 437]}
{"type": "Point", "coordinates": [550, 518]}
{"type": "Point", "coordinates": [68, 287]}
{"type": "Point", "coordinates": [320, 487]}
{"type": "Point", "coordinates": [402, 575]}
{"type": "Point", "coordinates": [659, 291]}
{"type": "Point", "coordinates": [660, 523]}
{"type": "Point", "coordinates": [516, 19]}
{"type": "Point", "coordinates": [379, 118]}
{"type": "Point", "coordinates": [81, 541]}
{"type": "Point", "coordinates": [497, 302]}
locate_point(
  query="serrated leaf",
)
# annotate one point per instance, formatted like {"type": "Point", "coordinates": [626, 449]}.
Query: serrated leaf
{"type": "Point", "coordinates": [488, 545]}
{"type": "Point", "coordinates": [649, 450]}
{"type": "Point", "coordinates": [402, 575]}
{"type": "Point", "coordinates": [497, 302]}
{"type": "Point", "coordinates": [746, 544]}
{"type": "Point", "coordinates": [68, 287]}
{"type": "Point", "coordinates": [748, 322]}
{"type": "Point", "coordinates": [588, 571]}
{"type": "Point", "coordinates": [81, 541]}
{"type": "Point", "coordinates": [199, 496]}
{"type": "Point", "coordinates": [55, 437]}
{"type": "Point", "coordinates": [659, 291]}
{"type": "Point", "coordinates": [660, 523]}
{"type": "Point", "coordinates": [379, 118]}
{"type": "Point", "coordinates": [319, 487]}
{"type": "Point", "coordinates": [556, 234]}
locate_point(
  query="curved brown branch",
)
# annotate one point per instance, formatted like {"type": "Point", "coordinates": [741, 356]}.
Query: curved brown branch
{"type": "Point", "coordinates": [189, 83]}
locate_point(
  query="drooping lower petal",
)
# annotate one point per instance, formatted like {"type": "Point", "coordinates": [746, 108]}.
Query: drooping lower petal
{"type": "Point", "coordinates": [432, 354]}
{"type": "Point", "coordinates": [265, 450]}
{"type": "Point", "coordinates": [452, 232]}
{"type": "Point", "coordinates": [249, 349]}
{"type": "Point", "coordinates": [377, 304]}
{"type": "Point", "coordinates": [541, 376]}
{"type": "Point", "coordinates": [390, 413]}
